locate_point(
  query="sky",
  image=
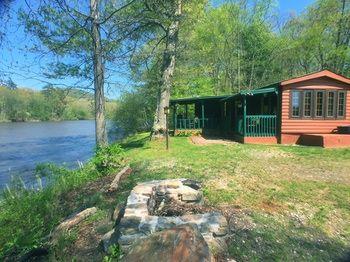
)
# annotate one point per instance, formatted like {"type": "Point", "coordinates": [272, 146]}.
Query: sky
{"type": "Point", "coordinates": [26, 68]}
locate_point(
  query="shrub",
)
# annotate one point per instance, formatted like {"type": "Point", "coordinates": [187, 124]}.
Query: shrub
{"type": "Point", "coordinates": [108, 159]}
{"type": "Point", "coordinates": [135, 112]}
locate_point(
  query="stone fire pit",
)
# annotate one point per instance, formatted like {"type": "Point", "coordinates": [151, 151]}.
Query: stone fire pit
{"type": "Point", "coordinates": [147, 201]}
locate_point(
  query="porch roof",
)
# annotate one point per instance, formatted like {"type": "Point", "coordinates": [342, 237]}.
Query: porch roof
{"type": "Point", "coordinates": [191, 100]}
{"type": "Point", "coordinates": [263, 90]}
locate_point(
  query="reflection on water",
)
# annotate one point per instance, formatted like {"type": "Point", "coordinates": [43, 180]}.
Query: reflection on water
{"type": "Point", "coordinates": [23, 145]}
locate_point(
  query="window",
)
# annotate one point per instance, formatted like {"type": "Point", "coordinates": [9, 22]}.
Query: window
{"type": "Point", "coordinates": [296, 103]}
{"type": "Point", "coordinates": [317, 104]}
{"type": "Point", "coordinates": [330, 104]}
{"type": "Point", "coordinates": [341, 104]}
{"type": "Point", "coordinates": [307, 103]}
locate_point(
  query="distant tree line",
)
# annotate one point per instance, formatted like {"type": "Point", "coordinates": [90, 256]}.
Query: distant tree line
{"type": "Point", "coordinates": [49, 104]}
{"type": "Point", "coordinates": [238, 45]}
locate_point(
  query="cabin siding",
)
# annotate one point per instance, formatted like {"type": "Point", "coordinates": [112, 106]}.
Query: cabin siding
{"type": "Point", "coordinates": [292, 128]}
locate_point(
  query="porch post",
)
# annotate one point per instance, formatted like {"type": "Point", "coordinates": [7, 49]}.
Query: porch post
{"type": "Point", "coordinates": [244, 116]}
{"type": "Point", "coordinates": [202, 115]}
{"type": "Point", "coordinates": [186, 111]}
{"type": "Point", "coordinates": [174, 117]}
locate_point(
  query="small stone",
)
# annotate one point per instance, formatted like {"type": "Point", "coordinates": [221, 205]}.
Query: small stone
{"type": "Point", "coordinates": [144, 189]}
{"type": "Point", "coordinates": [190, 195]}
{"type": "Point", "coordinates": [192, 183]}
{"type": "Point", "coordinates": [129, 225]}
{"type": "Point", "coordinates": [168, 222]}
{"type": "Point", "coordinates": [173, 184]}
{"type": "Point", "coordinates": [136, 198]}
{"type": "Point", "coordinates": [106, 240]}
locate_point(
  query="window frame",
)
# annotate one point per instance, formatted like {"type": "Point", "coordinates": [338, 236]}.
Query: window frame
{"type": "Point", "coordinates": [335, 102]}
{"type": "Point", "coordinates": [311, 104]}
{"type": "Point", "coordinates": [325, 97]}
{"type": "Point", "coordinates": [300, 92]}
{"type": "Point", "coordinates": [315, 104]}
{"type": "Point", "coordinates": [344, 106]}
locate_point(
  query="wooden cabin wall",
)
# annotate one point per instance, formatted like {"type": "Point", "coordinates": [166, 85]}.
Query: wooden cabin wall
{"type": "Point", "coordinates": [291, 128]}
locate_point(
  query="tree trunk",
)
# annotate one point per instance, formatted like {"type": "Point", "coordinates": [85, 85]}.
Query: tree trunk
{"type": "Point", "coordinates": [100, 122]}
{"type": "Point", "coordinates": [168, 67]}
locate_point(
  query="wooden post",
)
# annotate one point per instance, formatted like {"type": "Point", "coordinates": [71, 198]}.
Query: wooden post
{"type": "Point", "coordinates": [244, 116]}
{"type": "Point", "coordinates": [174, 117]}
{"type": "Point", "coordinates": [167, 131]}
{"type": "Point", "coordinates": [202, 115]}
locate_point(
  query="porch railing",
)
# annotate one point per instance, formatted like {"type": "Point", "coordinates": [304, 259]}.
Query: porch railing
{"type": "Point", "coordinates": [260, 125]}
{"type": "Point", "coordinates": [191, 123]}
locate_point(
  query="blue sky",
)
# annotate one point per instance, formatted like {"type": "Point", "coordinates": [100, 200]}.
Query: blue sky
{"type": "Point", "coordinates": [26, 68]}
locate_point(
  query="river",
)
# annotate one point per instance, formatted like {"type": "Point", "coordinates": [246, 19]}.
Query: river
{"type": "Point", "coordinates": [24, 145]}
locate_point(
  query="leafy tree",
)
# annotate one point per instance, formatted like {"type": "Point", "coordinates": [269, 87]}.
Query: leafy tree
{"type": "Point", "coordinates": [84, 39]}
{"type": "Point", "coordinates": [319, 39]}
{"type": "Point", "coordinates": [135, 111]}
{"type": "Point", "coordinates": [56, 99]}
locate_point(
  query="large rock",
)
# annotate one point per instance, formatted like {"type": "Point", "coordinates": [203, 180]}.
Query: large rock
{"type": "Point", "coordinates": [181, 243]}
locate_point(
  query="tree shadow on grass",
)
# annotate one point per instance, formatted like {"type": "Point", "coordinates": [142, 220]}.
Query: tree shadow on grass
{"type": "Point", "coordinates": [275, 242]}
{"type": "Point", "coordinates": [135, 143]}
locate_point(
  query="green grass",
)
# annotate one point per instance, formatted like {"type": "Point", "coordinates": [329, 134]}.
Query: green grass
{"type": "Point", "coordinates": [277, 184]}
{"type": "Point", "coordinates": [294, 200]}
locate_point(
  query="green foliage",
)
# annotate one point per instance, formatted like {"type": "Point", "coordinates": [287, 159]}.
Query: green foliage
{"type": "Point", "coordinates": [108, 159]}
{"type": "Point", "coordinates": [135, 112]}
{"type": "Point", "coordinates": [114, 252]}
{"type": "Point", "coordinates": [27, 215]}
{"type": "Point", "coordinates": [188, 132]}
{"type": "Point", "coordinates": [236, 46]}
{"type": "Point", "coordinates": [49, 104]}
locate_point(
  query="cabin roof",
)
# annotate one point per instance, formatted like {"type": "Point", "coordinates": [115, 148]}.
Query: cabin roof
{"type": "Point", "coordinates": [323, 73]}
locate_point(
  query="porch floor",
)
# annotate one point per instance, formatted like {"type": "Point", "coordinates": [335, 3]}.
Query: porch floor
{"type": "Point", "coordinates": [325, 140]}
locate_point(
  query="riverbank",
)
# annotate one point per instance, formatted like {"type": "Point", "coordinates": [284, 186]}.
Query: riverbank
{"type": "Point", "coordinates": [284, 202]}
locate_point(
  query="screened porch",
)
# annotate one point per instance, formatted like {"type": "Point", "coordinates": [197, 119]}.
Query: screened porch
{"type": "Point", "coordinates": [250, 113]}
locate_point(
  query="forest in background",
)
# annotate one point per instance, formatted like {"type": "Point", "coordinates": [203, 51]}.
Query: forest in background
{"type": "Point", "coordinates": [49, 104]}
{"type": "Point", "coordinates": [237, 45]}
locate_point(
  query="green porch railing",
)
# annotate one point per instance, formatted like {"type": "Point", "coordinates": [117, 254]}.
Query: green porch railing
{"type": "Point", "coordinates": [191, 123]}
{"type": "Point", "coordinates": [260, 125]}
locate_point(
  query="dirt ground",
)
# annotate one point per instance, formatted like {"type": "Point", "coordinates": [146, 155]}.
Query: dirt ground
{"type": "Point", "coordinates": [201, 141]}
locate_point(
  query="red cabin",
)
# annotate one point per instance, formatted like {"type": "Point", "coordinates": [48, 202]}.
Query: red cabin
{"type": "Point", "coordinates": [311, 110]}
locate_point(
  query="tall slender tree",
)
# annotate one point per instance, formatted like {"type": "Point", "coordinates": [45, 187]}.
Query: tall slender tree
{"type": "Point", "coordinates": [83, 38]}
{"type": "Point", "coordinates": [100, 123]}
{"type": "Point", "coordinates": [168, 67]}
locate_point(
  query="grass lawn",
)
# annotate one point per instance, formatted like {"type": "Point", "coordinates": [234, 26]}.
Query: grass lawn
{"type": "Point", "coordinates": [284, 202]}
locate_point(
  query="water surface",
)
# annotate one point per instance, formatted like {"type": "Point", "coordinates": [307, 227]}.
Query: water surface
{"type": "Point", "coordinates": [24, 145]}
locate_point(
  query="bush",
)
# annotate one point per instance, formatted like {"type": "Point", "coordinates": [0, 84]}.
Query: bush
{"type": "Point", "coordinates": [108, 159]}
{"type": "Point", "coordinates": [135, 112]}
